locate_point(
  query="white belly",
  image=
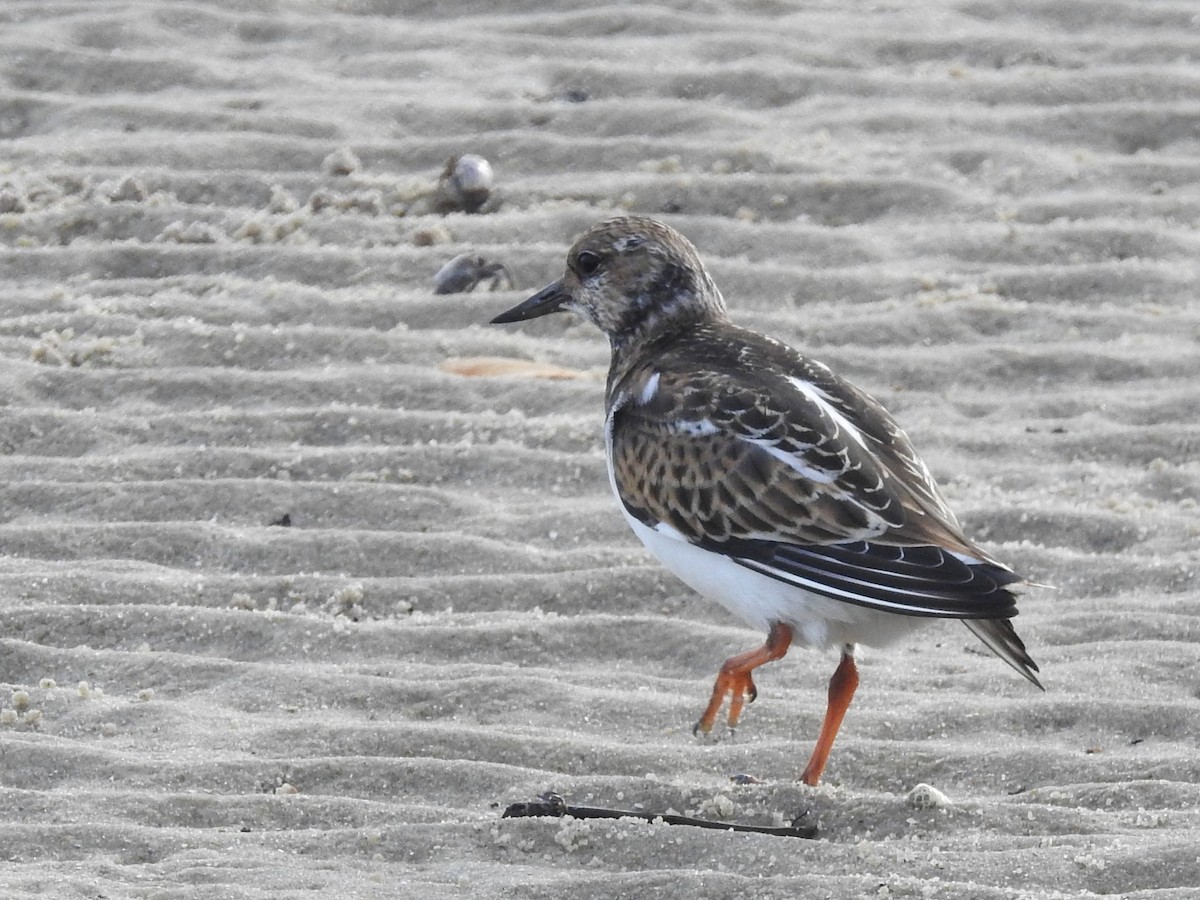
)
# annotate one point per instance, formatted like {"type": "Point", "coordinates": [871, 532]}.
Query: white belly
{"type": "Point", "coordinates": [760, 600]}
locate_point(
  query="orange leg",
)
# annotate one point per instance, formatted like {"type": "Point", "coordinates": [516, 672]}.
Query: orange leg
{"type": "Point", "coordinates": [841, 691]}
{"type": "Point", "coordinates": [734, 679]}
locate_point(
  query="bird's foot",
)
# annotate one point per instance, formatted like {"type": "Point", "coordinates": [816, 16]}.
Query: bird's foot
{"type": "Point", "coordinates": [738, 686]}
{"type": "Point", "coordinates": [735, 681]}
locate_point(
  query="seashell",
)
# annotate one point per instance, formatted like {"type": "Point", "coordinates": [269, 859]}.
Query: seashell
{"type": "Point", "coordinates": [341, 161]}
{"type": "Point", "coordinates": [466, 183]}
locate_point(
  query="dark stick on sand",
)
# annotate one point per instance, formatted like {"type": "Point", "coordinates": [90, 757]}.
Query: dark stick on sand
{"type": "Point", "coordinates": [551, 804]}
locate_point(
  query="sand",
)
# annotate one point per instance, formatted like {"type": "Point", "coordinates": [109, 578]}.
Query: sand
{"type": "Point", "coordinates": [289, 607]}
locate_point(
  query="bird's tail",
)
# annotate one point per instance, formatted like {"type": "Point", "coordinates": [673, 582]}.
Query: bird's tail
{"type": "Point", "coordinates": [1002, 640]}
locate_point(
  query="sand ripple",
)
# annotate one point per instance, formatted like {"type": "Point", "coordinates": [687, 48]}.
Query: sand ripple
{"type": "Point", "coordinates": [288, 609]}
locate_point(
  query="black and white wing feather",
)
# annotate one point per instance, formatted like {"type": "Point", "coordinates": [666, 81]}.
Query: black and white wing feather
{"type": "Point", "coordinates": [739, 445]}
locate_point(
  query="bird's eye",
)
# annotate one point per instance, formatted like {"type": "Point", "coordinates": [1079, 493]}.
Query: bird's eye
{"type": "Point", "coordinates": [587, 262]}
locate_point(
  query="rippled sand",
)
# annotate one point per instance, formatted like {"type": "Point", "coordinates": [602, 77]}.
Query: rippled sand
{"type": "Point", "coordinates": [287, 609]}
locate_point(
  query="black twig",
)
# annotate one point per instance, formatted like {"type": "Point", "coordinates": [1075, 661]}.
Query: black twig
{"type": "Point", "coordinates": [551, 804]}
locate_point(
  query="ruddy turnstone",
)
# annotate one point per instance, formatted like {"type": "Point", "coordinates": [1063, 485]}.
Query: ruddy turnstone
{"type": "Point", "coordinates": [763, 480]}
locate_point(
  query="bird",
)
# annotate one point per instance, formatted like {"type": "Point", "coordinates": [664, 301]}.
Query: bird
{"type": "Point", "coordinates": [765, 481]}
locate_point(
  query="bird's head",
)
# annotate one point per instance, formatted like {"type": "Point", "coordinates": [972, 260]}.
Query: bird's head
{"type": "Point", "coordinates": [630, 277]}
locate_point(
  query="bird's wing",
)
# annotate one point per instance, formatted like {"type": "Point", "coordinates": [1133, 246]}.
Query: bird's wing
{"type": "Point", "coordinates": [795, 474]}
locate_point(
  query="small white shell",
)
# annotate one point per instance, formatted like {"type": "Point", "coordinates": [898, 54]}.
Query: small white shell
{"type": "Point", "coordinates": [473, 174]}
{"type": "Point", "coordinates": [926, 796]}
{"type": "Point", "coordinates": [466, 183]}
{"type": "Point", "coordinates": [341, 161]}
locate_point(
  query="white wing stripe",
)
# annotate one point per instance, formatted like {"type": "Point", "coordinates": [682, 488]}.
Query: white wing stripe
{"type": "Point", "coordinates": [649, 390]}
{"type": "Point", "coordinates": [817, 396]}
{"type": "Point", "coordinates": [794, 461]}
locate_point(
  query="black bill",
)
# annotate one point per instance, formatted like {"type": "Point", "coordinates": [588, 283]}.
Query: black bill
{"type": "Point", "coordinates": [548, 300]}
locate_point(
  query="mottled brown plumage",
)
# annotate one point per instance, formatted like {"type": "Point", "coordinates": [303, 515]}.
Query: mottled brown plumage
{"type": "Point", "coordinates": [732, 453]}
